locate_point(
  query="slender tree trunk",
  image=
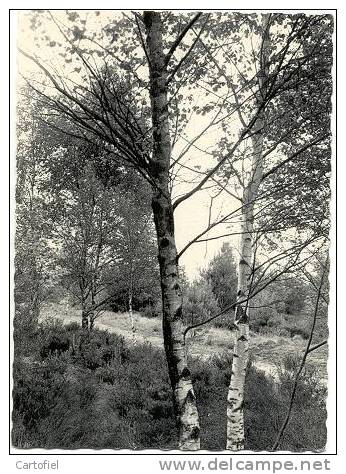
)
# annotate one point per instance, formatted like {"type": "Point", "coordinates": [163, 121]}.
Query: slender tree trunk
{"type": "Point", "coordinates": [91, 312]}
{"type": "Point", "coordinates": [183, 393]}
{"type": "Point", "coordinates": [91, 320]}
{"type": "Point", "coordinates": [85, 316]}
{"type": "Point", "coordinates": [132, 321]}
{"type": "Point", "coordinates": [35, 304]}
{"type": "Point", "coordinates": [235, 398]}
{"type": "Point", "coordinates": [74, 348]}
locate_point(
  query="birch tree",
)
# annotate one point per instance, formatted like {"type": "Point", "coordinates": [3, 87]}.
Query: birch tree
{"type": "Point", "coordinates": [184, 396]}
{"type": "Point", "coordinates": [272, 190]}
{"type": "Point", "coordinates": [235, 398]}
{"type": "Point", "coordinates": [83, 232]}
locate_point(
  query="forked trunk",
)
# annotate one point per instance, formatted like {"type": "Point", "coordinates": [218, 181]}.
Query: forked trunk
{"type": "Point", "coordinates": [235, 398]}
{"type": "Point", "coordinates": [183, 393]}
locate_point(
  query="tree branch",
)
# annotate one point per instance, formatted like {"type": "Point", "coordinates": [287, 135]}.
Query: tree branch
{"type": "Point", "coordinates": [177, 67]}
{"type": "Point", "coordinates": [181, 37]}
{"type": "Point", "coordinates": [294, 155]}
{"type": "Point", "coordinates": [320, 344]}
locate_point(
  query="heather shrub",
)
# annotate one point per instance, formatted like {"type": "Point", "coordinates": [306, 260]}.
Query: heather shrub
{"type": "Point", "coordinates": [101, 394]}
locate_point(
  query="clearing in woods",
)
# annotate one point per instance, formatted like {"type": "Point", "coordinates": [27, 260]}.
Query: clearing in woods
{"type": "Point", "coordinates": [266, 350]}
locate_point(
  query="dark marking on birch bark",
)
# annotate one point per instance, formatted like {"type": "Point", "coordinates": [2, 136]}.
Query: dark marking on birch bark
{"type": "Point", "coordinates": [195, 433]}
{"type": "Point", "coordinates": [240, 315]}
{"type": "Point", "coordinates": [240, 408]}
{"type": "Point", "coordinates": [185, 373]}
{"type": "Point", "coordinates": [190, 397]}
{"type": "Point", "coordinates": [164, 242]}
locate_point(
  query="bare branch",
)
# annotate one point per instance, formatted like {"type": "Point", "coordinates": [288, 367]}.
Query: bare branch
{"type": "Point", "coordinates": [317, 346]}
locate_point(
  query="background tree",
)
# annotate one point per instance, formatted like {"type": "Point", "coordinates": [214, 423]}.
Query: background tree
{"type": "Point", "coordinates": [133, 278]}
{"type": "Point", "coordinates": [199, 302]}
{"type": "Point", "coordinates": [221, 275]}
{"type": "Point", "coordinates": [83, 214]}
{"type": "Point", "coordinates": [34, 275]}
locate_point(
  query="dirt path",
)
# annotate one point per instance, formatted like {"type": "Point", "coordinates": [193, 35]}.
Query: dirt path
{"type": "Point", "coordinates": [266, 350]}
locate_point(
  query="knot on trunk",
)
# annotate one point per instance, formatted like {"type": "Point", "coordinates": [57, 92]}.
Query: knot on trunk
{"type": "Point", "coordinates": [164, 242]}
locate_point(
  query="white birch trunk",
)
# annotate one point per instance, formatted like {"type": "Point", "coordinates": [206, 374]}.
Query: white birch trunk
{"type": "Point", "coordinates": [235, 398]}
{"type": "Point", "coordinates": [183, 393]}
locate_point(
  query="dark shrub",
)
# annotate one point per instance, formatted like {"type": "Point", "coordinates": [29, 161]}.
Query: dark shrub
{"type": "Point", "coordinates": [101, 396]}
{"type": "Point", "coordinates": [36, 389]}
{"type": "Point", "coordinates": [94, 349]}
{"type": "Point", "coordinates": [72, 327]}
{"type": "Point", "coordinates": [225, 321]}
{"type": "Point", "coordinates": [55, 346]}
{"type": "Point", "coordinates": [152, 310]}
{"type": "Point", "coordinates": [52, 339]}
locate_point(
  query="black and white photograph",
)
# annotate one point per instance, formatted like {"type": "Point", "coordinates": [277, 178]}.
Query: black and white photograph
{"type": "Point", "coordinates": [172, 228]}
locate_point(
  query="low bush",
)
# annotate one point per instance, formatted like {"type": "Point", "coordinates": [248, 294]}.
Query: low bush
{"type": "Point", "coordinates": [297, 325]}
{"type": "Point", "coordinates": [98, 394]}
{"type": "Point", "coordinates": [152, 311]}
{"type": "Point", "coordinates": [226, 321]}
